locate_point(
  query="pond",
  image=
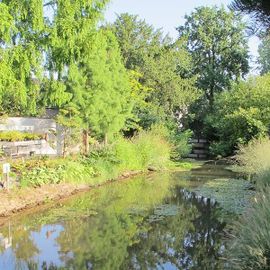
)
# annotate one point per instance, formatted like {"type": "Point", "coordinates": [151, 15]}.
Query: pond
{"type": "Point", "coordinates": [149, 222]}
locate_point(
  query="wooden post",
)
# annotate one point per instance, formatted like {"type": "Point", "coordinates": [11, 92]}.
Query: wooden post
{"type": "Point", "coordinates": [85, 142]}
{"type": "Point", "coordinates": [106, 139]}
{"type": "Point", "coordinates": [6, 171]}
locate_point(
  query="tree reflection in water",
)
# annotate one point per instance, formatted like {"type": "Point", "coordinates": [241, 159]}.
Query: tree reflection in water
{"type": "Point", "coordinates": [140, 224]}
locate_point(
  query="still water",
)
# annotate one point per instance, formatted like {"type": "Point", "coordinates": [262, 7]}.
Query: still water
{"type": "Point", "coordinates": [149, 222]}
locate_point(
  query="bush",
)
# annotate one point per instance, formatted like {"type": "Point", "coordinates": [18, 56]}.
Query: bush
{"type": "Point", "coordinates": [39, 172]}
{"type": "Point", "coordinates": [152, 149]}
{"type": "Point", "coordinates": [78, 172]}
{"type": "Point", "coordinates": [148, 148]}
{"type": "Point", "coordinates": [240, 115]}
{"type": "Point", "coordinates": [251, 244]}
{"type": "Point", "coordinates": [126, 152]}
{"type": "Point", "coordinates": [182, 146]}
{"type": "Point", "coordinates": [42, 176]}
{"type": "Point", "coordinates": [219, 149]}
{"type": "Point", "coordinates": [14, 136]}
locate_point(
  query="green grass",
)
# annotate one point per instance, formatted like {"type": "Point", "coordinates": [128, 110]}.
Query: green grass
{"type": "Point", "coordinates": [147, 149]}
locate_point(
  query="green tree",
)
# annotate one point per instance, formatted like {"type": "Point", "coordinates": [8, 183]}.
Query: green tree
{"type": "Point", "coordinates": [264, 55]}
{"type": "Point", "coordinates": [216, 41]}
{"type": "Point", "coordinates": [241, 115]}
{"type": "Point", "coordinates": [22, 24]}
{"type": "Point", "coordinates": [85, 69]}
{"type": "Point", "coordinates": [73, 24]}
{"type": "Point", "coordinates": [107, 97]}
{"type": "Point", "coordinates": [160, 63]}
{"type": "Point", "coordinates": [137, 40]}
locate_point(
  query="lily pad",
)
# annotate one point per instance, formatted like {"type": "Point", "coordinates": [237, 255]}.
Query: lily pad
{"type": "Point", "coordinates": [162, 211]}
{"type": "Point", "coordinates": [233, 195]}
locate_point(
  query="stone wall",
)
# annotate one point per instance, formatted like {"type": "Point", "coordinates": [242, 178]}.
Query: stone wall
{"type": "Point", "coordinates": [44, 126]}
{"type": "Point", "coordinates": [200, 148]}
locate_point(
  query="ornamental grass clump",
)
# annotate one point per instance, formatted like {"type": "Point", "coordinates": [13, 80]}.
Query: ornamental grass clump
{"type": "Point", "coordinates": [148, 148]}
{"type": "Point", "coordinates": [251, 245]}
{"type": "Point", "coordinates": [152, 149]}
{"type": "Point", "coordinates": [254, 159]}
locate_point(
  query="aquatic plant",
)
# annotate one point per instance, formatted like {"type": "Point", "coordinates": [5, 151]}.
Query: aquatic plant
{"type": "Point", "coordinates": [233, 195]}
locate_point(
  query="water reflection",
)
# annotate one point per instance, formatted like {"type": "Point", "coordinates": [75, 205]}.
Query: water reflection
{"type": "Point", "coordinates": [146, 223]}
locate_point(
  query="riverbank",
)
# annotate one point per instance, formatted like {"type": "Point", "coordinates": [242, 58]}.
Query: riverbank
{"type": "Point", "coordinates": [19, 200]}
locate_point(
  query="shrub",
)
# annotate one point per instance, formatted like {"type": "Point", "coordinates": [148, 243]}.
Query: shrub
{"type": "Point", "coordinates": [13, 136]}
{"type": "Point", "coordinates": [149, 148]}
{"type": "Point", "coordinates": [182, 147]}
{"type": "Point", "coordinates": [126, 152]}
{"type": "Point", "coordinates": [42, 176]}
{"type": "Point", "coordinates": [75, 171]}
{"type": "Point", "coordinates": [251, 244]}
{"type": "Point", "coordinates": [219, 149]}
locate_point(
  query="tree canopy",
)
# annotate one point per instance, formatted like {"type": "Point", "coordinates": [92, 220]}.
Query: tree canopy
{"type": "Point", "coordinates": [218, 47]}
{"type": "Point", "coordinates": [159, 62]}
{"type": "Point", "coordinates": [54, 54]}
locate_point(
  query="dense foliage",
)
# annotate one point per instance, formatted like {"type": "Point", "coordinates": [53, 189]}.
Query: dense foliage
{"type": "Point", "coordinates": [130, 79]}
{"type": "Point", "coordinates": [58, 57]}
{"type": "Point", "coordinates": [240, 115]}
{"type": "Point", "coordinates": [147, 149]}
{"type": "Point", "coordinates": [104, 79]}
{"type": "Point", "coordinates": [160, 63]}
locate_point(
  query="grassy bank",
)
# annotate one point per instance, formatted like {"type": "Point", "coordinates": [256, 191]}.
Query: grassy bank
{"type": "Point", "coordinates": [42, 180]}
{"type": "Point", "coordinates": [144, 151]}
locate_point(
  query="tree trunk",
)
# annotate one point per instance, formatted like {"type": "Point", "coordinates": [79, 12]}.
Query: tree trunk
{"type": "Point", "coordinates": [211, 98]}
